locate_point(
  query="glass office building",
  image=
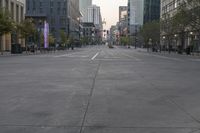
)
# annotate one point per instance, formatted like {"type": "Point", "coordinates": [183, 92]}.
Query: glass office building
{"type": "Point", "coordinates": [151, 10]}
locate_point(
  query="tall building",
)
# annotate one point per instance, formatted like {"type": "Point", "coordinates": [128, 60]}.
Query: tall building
{"type": "Point", "coordinates": [84, 4]}
{"type": "Point", "coordinates": [175, 39]}
{"type": "Point", "coordinates": [123, 20]}
{"type": "Point", "coordinates": [94, 16]}
{"type": "Point", "coordinates": [74, 19]}
{"type": "Point", "coordinates": [151, 10]}
{"type": "Point", "coordinates": [135, 15]}
{"type": "Point", "coordinates": [16, 8]}
{"type": "Point", "coordinates": [123, 12]}
{"type": "Point", "coordinates": [59, 14]}
{"type": "Point", "coordinates": [168, 10]}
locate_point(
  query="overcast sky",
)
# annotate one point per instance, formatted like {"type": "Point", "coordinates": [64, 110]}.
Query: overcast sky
{"type": "Point", "coordinates": [110, 10]}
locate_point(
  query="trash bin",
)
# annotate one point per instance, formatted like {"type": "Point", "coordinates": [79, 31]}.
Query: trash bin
{"type": "Point", "coordinates": [188, 50]}
{"type": "Point", "coordinates": [16, 49]}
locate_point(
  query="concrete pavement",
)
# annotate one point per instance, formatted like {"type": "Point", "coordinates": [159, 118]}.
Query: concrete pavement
{"type": "Point", "coordinates": [99, 90]}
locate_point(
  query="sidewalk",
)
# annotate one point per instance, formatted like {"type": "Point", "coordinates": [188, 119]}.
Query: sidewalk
{"type": "Point", "coordinates": [7, 54]}
{"type": "Point", "coordinates": [195, 55]}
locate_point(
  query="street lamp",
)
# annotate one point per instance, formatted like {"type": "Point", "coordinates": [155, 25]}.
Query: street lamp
{"type": "Point", "coordinates": [149, 44]}
{"type": "Point", "coordinates": [175, 36]}
{"type": "Point", "coordinates": [164, 37]}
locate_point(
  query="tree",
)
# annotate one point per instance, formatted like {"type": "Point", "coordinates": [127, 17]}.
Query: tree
{"type": "Point", "coordinates": [63, 38]}
{"type": "Point", "coordinates": [85, 40]}
{"type": "Point", "coordinates": [187, 18]}
{"type": "Point", "coordinates": [51, 40]}
{"type": "Point", "coordinates": [6, 25]}
{"type": "Point", "coordinates": [151, 31]}
{"type": "Point", "coordinates": [26, 29]}
{"type": "Point", "coordinates": [125, 40]}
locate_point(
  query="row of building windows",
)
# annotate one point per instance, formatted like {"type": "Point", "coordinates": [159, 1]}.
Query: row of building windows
{"type": "Point", "coordinates": [168, 6]}
{"type": "Point", "coordinates": [31, 5]}
{"type": "Point", "coordinates": [62, 21]}
{"type": "Point", "coordinates": [16, 10]}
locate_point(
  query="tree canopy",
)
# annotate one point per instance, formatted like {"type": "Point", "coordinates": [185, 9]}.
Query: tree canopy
{"type": "Point", "coordinates": [6, 22]}
{"type": "Point", "coordinates": [151, 30]}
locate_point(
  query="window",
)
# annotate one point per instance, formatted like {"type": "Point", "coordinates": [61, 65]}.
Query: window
{"type": "Point", "coordinates": [58, 10]}
{"type": "Point", "coordinates": [62, 21]}
{"type": "Point", "coordinates": [64, 11]}
{"type": "Point", "coordinates": [28, 5]}
{"type": "Point", "coordinates": [6, 5]}
{"type": "Point", "coordinates": [12, 10]}
{"type": "Point", "coordinates": [40, 4]}
{"type": "Point", "coordinates": [22, 13]}
{"type": "Point", "coordinates": [52, 21]}
{"type": "Point", "coordinates": [51, 3]}
{"type": "Point", "coordinates": [17, 13]}
{"type": "Point", "coordinates": [1, 4]}
{"type": "Point", "coordinates": [41, 10]}
{"type": "Point", "coordinates": [58, 4]}
{"type": "Point", "coordinates": [51, 10]}
{"type": "Point", "coordinates": [34, 6]}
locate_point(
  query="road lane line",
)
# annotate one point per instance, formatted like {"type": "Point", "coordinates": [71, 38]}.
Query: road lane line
{"type": "Point", "coordinates": [64, 55]}
{"type": "Point", "coordinates": [95, 56]}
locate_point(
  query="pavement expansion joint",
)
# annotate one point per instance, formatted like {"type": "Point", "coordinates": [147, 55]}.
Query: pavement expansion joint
{"type": "Point", "coordinates": [90, 97]}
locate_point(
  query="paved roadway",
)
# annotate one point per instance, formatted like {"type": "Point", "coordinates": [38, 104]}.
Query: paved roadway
{"type": "Point", "coordinates": [100, 90]}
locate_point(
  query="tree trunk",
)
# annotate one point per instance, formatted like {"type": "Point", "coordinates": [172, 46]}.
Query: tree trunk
{"type": "Point", "coordinates": [198, 43]}
{"type": "Point", "coordinates": [1, 45]}
{"type": "Point", "coordinates": [182, 42]}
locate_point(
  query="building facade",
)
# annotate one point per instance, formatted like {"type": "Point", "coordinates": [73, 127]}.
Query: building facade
{"type": "Point", "coordinates": [59, 14]}
{"type": "Point", "coordinates": [88, 32]}
{"type": "Point", "coordinates": [123, 12]}
{"type": "Point", "coordinates": [123, 21]}
{"type": "Point", "coordinates": [170, 39]}
{"type": "Point", "coordinates": [135, 15]}
{"type": "Point", "coordinates": [17, 11]}
{"type": "Point", "coordinates": [74, 19]}
{"type": "Point", "coordinates": [94, 16]}
{"type": "Point", "coordinates": [151, 10]}
{"type": "Point", "coordinates": [84, 4]}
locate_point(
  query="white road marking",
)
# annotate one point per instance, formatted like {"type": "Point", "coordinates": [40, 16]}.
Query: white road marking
{"type": "Point", "coordinates": [64, 55]}
{"type": "Point", "coordinates": [95, 56]}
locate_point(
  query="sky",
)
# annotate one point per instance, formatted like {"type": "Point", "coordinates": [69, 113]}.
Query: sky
{"type": "Point", "coordinates": [110, 10]}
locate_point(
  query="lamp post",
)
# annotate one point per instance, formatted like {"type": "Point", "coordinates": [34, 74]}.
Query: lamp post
{"type": "Point", "coordinates": [150, 43]}
{"type": "Point", "coordinates": [39, 34]}
{"type": "Point", "coordinates": [164, 37]}
{"type": "Point", "coordinates": [191, 41]}
{"type": "Point", "coordinates": [176, 40]}
{"type": "Point", "coordinates": [135, 36]}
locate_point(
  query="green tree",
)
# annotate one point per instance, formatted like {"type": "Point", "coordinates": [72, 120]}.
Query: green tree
{"type": "Point", "coordinates": [187, 18]}
{"type": "Point", "coordinates": [63, 38]}
{"type": "Point", "coordinates": [6, 25]}
{"type": "Point", "coordinates": [26, 29]}
{"type": "Point", "coordinates": [51, 40]}
{"type": "Point", "coordinates": [151, 30]}
{"type": "Point", "coordinates": [85, 40]}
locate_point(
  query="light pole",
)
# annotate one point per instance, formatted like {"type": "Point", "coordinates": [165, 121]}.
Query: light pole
{"type": "Point", "coordinates": [135, 36]}
{"type": "Point", "coordinates": [176, 40]}
{"type": "Point", "coordinates": [164, 37]}
{"type": "Point", "coordinates": [150, 43]}
{"type": "Point", "coordinates": [191, 42]}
